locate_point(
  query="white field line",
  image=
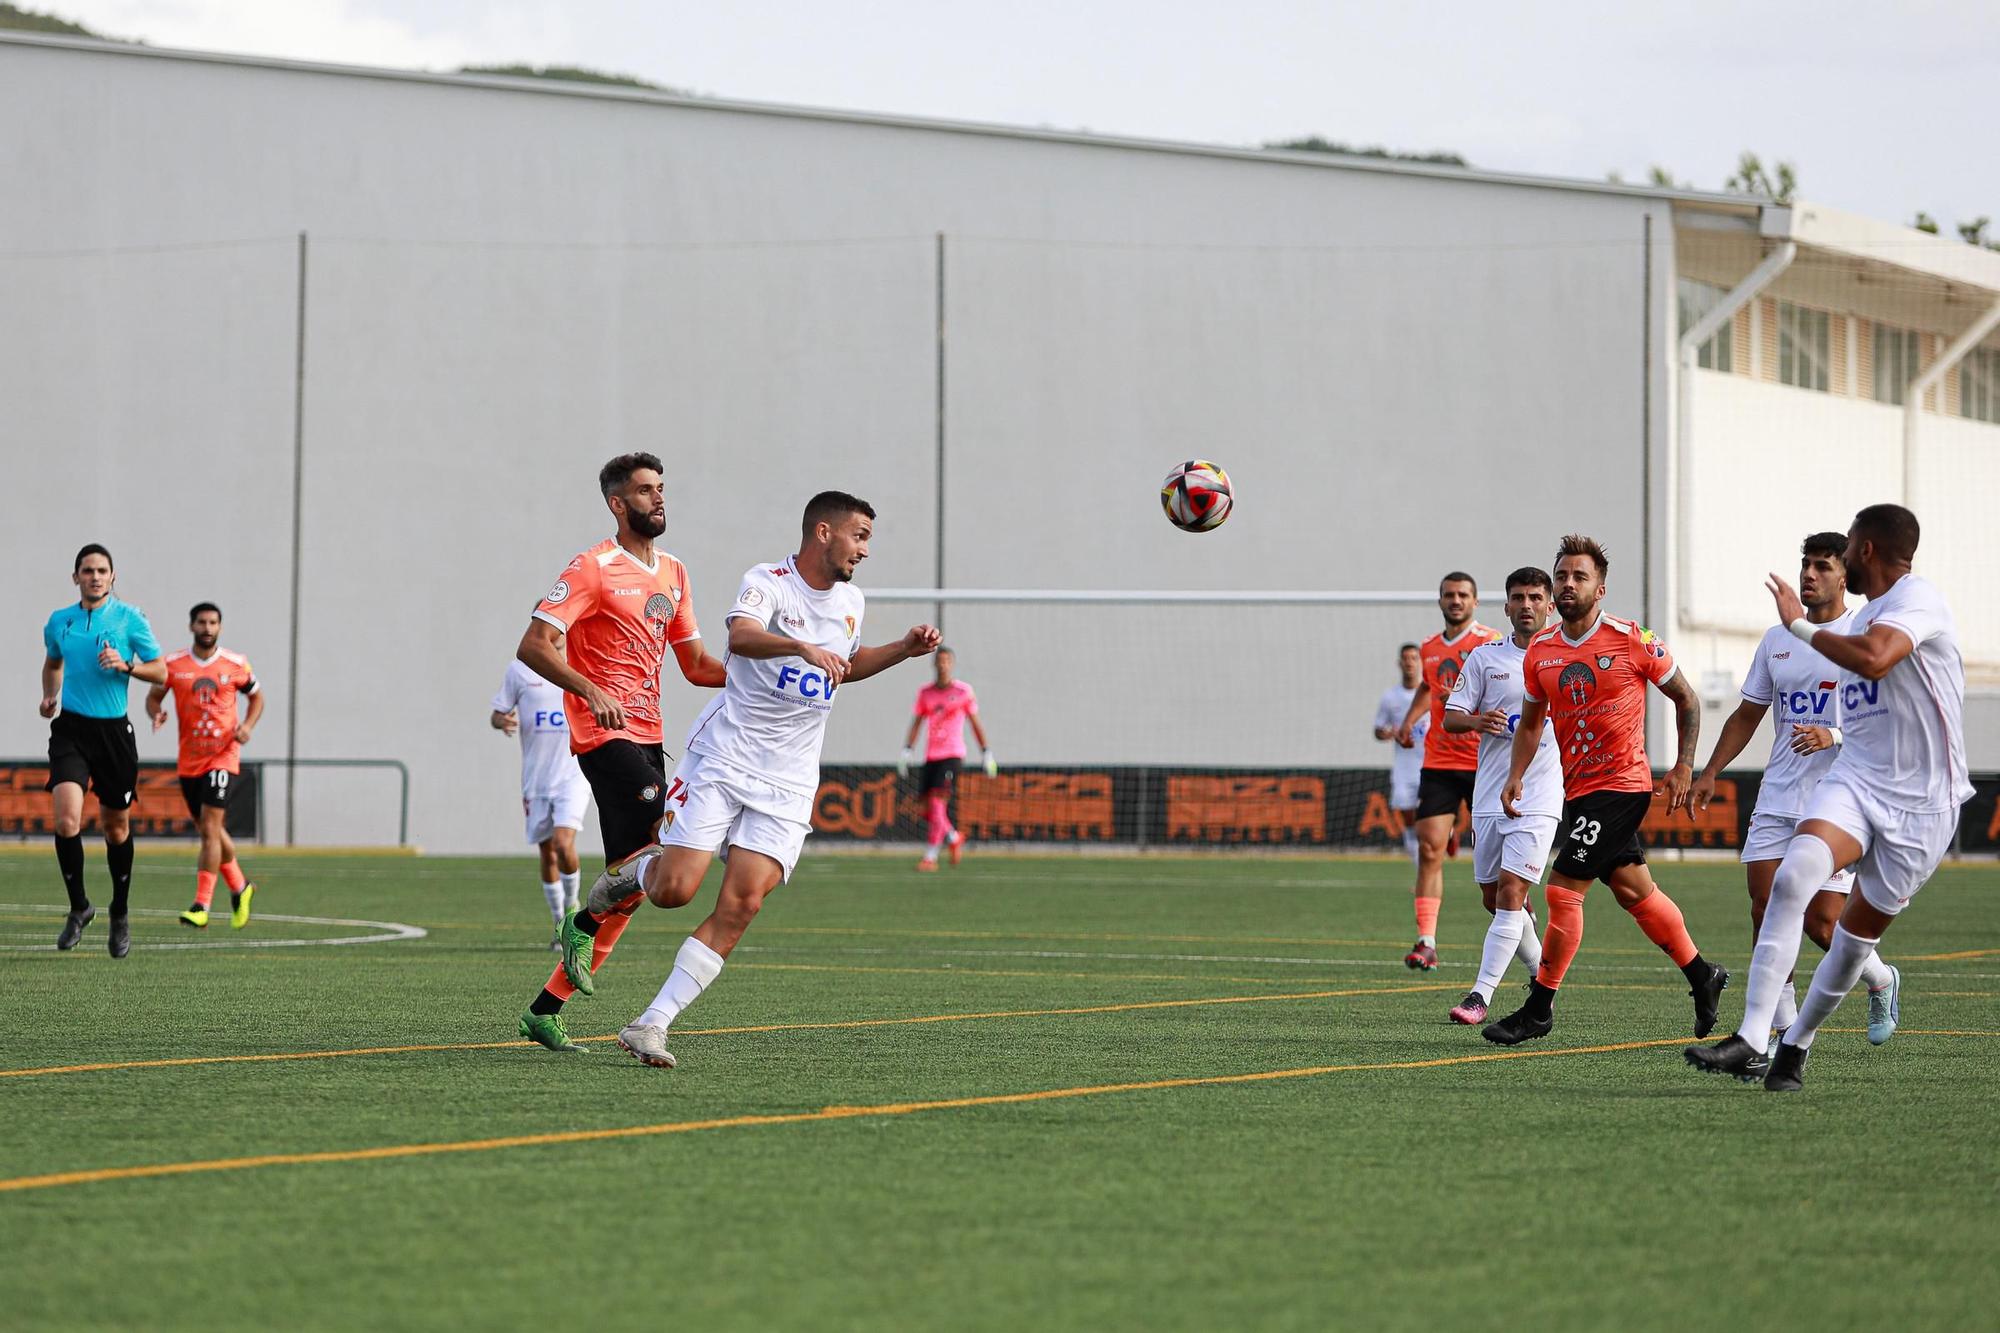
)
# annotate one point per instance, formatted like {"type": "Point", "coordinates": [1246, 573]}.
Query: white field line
{"type": "Point", "coordinates": [390, 931]}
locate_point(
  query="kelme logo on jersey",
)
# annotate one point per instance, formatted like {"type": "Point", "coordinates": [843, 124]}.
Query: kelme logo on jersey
{"type": "Point", "coordinates": [804, 682]}
{"type": "Point", "coordinates": [1577, 681]}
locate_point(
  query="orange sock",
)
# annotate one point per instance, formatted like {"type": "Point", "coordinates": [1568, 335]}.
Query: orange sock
{"type": "Point", "coordinates": [232, 875]}
{"type": "Point", "coordinates": [1661, 920]}
{"type": "Point", "coordinates": [1427, 916]}
{"type": "Point", "coordinates": [1562, 937]}
{"type": "Point", "coordinates": [204, 888]}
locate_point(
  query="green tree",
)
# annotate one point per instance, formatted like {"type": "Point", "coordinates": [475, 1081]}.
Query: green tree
{"type": "Point", "coordinates": [1314, 143]}
{"type": "Point", "coordinates": [1752, 178]}
{"type": "Point", "coordinates": [28, 20]}
{"type": "Point", "coordinates": [566, 73]}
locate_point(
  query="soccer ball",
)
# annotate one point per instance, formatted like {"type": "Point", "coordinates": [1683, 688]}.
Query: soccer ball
{"type": "Point", "coordinates": [1196, 496]}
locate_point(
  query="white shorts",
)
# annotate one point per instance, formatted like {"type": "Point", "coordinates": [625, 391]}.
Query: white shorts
{"type": "Point", "coordinates": [1900, 849]}
{"type": "Point", "coordinates": [713, 806]}
{"type": "Point", "coordinates": [1768, 836]}
{"type": "Point", "coordinates": [563, 809]}
{"type": "Point", "coordinates": [1517, 846]}
{"type": "Point", "coordinates": [1403, 789]}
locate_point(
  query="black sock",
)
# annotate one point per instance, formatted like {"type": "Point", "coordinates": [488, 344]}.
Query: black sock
{"type": "Point", "coordinates": [587, 921]}
{"type": "Point", "coordinates": [1697, 970]}
{"type": "Point", "coordinates": [1541, 1004]}
{"type": "Point", "coordinates": [546, 1003]}
{"type": "Point", "coordinates": [118, 855]}
{"type": "Point", "coordinates": [69, 859]}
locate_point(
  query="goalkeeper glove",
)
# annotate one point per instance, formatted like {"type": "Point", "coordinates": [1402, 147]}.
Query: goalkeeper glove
{"type": "Point", "coordinates": [903, 763]}
{"type": "Point", "coordinates": [991, 764]}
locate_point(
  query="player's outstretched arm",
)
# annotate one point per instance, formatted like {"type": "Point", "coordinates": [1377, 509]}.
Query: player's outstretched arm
{"type": "Point", "coordinates": [1687, 722]}
{"type": "Point", "coordinates": [1736, 734]}
{"type": "Point", "coordinates": [749, 638]}
{"type": "Point", "coordinates": [1869, 655]}
{"type": "Point", "coordinates": [921, 640]}
{"type": "Point", "coordinates": [699, 666]}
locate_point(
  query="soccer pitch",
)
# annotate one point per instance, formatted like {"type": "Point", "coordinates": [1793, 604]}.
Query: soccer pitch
{"type": "Point", "coordinates": [1033, 1092]}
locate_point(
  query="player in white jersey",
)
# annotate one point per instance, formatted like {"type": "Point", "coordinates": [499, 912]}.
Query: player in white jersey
{"type": "Point", "coordinates": [1888, 806]}
{"type": "Point", "coordinates": [1509, 853]}
{"type": "Point", "coordinates": [554, 791]}
{"type": "Point", "coordinates": [745, 787]}
{"type": "Point", "coordinates": [1799, 689]}
{"type": "Point", "coordinates": [1406, 762]}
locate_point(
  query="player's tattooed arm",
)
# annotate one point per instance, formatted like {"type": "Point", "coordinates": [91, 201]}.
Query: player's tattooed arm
{"type": "Point", "coordinates": [1736, 733]}
{"type": "Point", "coordinates": [1687, 722]}
{"type": "Point", "coordinates": [921, 639]}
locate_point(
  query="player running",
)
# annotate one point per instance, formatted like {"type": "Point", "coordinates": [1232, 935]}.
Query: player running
{"type": "Point", "coordinates": [945, 705]}
{"type": "Point", "coordinates": [1508, 852]}
{"type": "Point", "coordinates": [1888, 805]}
{"type": "Point", "coordinates": [1589, 673]}
{"type": "Point", "coordinates": [1451, 759]}
{"type": "Point", "coordinates": [602, 633]}
{"type": "Point", "coordinates": [1805, 731]}
{"type": "Point", "coordinates": [553, 789]}
{"type": "Point", "coordinates": [90, 651]}
{"type": "Point", "coordinates": [746, 786]}
{"type": "Point", "coordinates": [1406, 761]}
{"type": "Point", "coordinates": [205, 682]}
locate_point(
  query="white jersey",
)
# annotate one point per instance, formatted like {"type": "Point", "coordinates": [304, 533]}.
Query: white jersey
{"type": "Point", "coordinates": [1905, 733]}
{"type": "Point", "coordinates": [1800, 687]}
{"type": "Point", "coordinates": [1404, 765]}
{"type": "Point", "coordinates": [770, 719]}
{"type": "Point", "coordinates": [1492, 678]}
{"type": "Point", "coordinates": [547, 766]}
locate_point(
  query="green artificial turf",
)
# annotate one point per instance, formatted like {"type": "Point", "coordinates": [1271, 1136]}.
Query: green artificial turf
{"type": "Point", "coordinates": [1435, 1187]}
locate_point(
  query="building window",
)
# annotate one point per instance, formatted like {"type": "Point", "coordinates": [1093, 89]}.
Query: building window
{"type": "Point", "coordinates": [1804, 347]}
{"type": "Point", "coordinates": [1979, 386]}
{"type": "Point", "coordinates": [1696, 299]}
{"type": "Point", "coordinates": [1896, 363]}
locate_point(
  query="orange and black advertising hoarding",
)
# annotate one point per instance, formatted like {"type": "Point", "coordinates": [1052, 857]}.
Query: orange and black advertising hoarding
{"type": "Point", "coordinates": [158, 811]}
{"type": "Point", "coordinates": [1335, 808]}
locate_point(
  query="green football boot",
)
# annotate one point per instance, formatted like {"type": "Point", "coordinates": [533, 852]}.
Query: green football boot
{"type": "Point", "coordinates": [577, 949]}
{"type": "Point", "coordinates": [547, 1030]}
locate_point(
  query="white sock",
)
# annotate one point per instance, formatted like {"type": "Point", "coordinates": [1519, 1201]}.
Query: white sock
{"type": "Point", "coordinates": [930, 854]}
{"type": "Point", "coordinates": [695, 966]}
{"type": "Point", "coordinates": [572, 885]}
{"type": "Point", "coordinates": [1836, 977]}
{"type": "Point", "coordinates": [1807, 866]}
{"type": "Point", "coordinates": [1428, 939]}
{"type": "Point", "coordinates": [553, 892]}
{"type": "Point", "coordinates": [1787, 1012]}
{"type": "Point", "coordinates": [1875, 972]}
{"type": "Point", "coordinates": [1503, 939]}
{"type": "Point", "coordinates": [1529, 950]}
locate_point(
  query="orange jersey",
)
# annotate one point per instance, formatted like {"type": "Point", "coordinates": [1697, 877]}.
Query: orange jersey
{"type": "Point", "coordinates": [1596, 693]}
{"type": "Point", "coordinates": [621, 618]}
{"type": "Point", "coordinates": [205, 708]}
{"type": "Point", "coordinates": [1444, 658]}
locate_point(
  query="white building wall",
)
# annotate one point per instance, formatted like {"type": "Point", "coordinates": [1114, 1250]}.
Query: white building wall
{"type": "Point", "coordinates": [1405, 374]}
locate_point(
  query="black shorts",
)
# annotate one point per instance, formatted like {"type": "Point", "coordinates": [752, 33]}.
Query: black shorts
{"type": "Point", "coordinates": [1440, 791]}
{"type": "Point", "coordinates": [99, 751]}
{"type": "Point", "coordinates": [213, 788]}
{"type": "Point", "coordinates": [1599, 833]}
{"type": "Point", "coordinates": [938, 774]}
{"type": "Point", "coordinates": [629, 782]}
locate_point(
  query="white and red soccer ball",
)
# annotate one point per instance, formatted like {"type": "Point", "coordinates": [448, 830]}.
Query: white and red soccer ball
{"type": "Point", "coordinates": [1196, 496]}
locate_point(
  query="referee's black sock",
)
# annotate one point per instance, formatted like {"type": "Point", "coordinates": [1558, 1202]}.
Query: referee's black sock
{"type": "Point", "coordinates": [118, 855]}
{"type": "Point", "coordinates": [69, 859]}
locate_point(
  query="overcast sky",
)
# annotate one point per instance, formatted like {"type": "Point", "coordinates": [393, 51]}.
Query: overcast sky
{"type": "Point", "coordinates": [1885, 107]}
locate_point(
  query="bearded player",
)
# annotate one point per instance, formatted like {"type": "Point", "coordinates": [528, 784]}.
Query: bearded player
{"type": "Point", "coordinates": [602, 634]}
{"type": "Point", "coordinates": [745, 787]}
{"type": "Point", "coordinates": [1802, 687]}
{"type": "Point", "coordinates": [1888, 806]}
{"type": "Point", "coordinates": [1451, 759]}
{"type": "Point", "coordinates": [206, 681]}
{"type": "Point", "coordinates": [1589, 673]}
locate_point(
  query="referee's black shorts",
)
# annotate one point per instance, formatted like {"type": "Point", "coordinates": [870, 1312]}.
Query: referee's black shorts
{"type": "Point", "coordinates": [629, 782]}
{"type": "Point", "coordinates": [98, 752]}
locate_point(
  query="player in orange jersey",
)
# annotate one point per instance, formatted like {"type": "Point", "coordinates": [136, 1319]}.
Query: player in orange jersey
{"type": "Point", "coordinates": [1451, 759]}
{"type": "Point", "coordinates": [602, 634]}
{"type": "Point", "coordinates": [206, 681]}
{"type": "Point", "coordinates": [1591, 671]}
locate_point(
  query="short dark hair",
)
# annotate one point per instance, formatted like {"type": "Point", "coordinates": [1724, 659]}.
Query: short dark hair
{"type": "Point", "coordinates": [1892, 528]}
{"type": "Point", "coordinates": [619, 470]}
{"type": "Point", "coordinates": [1578, 544]}
{"type": "Point", "coordinates": [1458, 576]}
{"type": "Point", "coordinates": [92, 549]}
{"type": "Point", "coordinates": [1826, 543]}
{"type": "Point", "coordinates": [831, 507]}
{"type": "Point", "coordinates": [200, 607]}
{"type": "Point", "coordinates": [1408, 648]}
{"type": "Point", "coordinates": [1527, 576]}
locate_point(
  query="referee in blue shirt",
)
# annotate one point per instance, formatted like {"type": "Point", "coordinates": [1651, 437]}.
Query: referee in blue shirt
{"type": "Point", "coordinates": [94, 649]}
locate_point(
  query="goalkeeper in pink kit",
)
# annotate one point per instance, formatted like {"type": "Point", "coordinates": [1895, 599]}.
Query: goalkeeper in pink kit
{"type": "Point", "coordinates": [946, 706]}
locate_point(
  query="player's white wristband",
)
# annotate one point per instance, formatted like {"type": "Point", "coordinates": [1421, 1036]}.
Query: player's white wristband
{"type": "Point", "coordinates": [1837, 738]}
{"type": "Point", "coordinates": [1803, 629]}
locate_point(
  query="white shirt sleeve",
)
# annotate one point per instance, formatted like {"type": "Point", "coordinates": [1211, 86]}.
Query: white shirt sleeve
{"type": "Point", "coordinates": [510, 689]}
{"type": "Point", "coordinates": [1757, 687]}
{"type": "Point", "coordinates": [1469, 690]}
{"type": "Point", "coordinates": [757, 599]}
{"type": "Point", "coordinates": [1387, 716]}
{"type": "Point", "coordinates": [1916, 608]}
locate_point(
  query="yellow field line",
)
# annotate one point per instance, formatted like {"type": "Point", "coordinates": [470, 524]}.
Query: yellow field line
{"type": "Point", "coordinates": [758, 1121]}
{"type": "Point", "coordinates": [1948, 957]}
{"type": "Point", "coordinates": [184, 1061]}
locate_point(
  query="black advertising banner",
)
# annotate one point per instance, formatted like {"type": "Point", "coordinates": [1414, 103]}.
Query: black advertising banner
{"type": "Point", "coordinates": [158, 811]}
{"type": "Point", "coordinates": [1346, 808]}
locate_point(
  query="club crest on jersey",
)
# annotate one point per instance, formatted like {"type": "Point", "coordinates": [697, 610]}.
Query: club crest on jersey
{"type": "Point", "coordinates": [1447, 672]}
{"type": "Point", "coordinates": [659, 607]}
{"type": "Point", "coordinates": [204, 688]}
{"type": "Point", "coordinates": [559, 593]}
{"type": "Point", "coordinates": [1577, 681]}
{"type": "Point", "coordinates": [751, 597]}
{"type": "Point", "coordinates": [1604, 664]}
